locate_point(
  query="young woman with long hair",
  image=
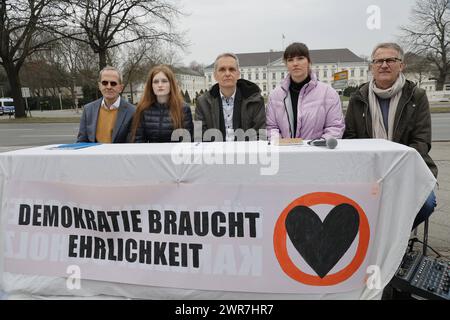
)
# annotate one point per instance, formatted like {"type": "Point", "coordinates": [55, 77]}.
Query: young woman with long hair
{"type": "Point", "coordinates": [161, 109]}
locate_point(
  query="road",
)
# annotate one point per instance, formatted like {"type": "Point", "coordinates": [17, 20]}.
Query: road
{"type": "Point", "coordinates": [440, 126]}
{"type": "Point", "coordinates": [17, 136]}
{"type": "Point", "coordinates": [37, 134]}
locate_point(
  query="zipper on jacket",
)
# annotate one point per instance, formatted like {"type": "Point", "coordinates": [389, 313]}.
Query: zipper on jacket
{"type": "Point", "coordinates": [161, 118]}
{"type": "Point", "coordinates": [367, 119]}
{"type": "Point", "coordinates": [298, 105]}
{"type": "Point", "coordinates": [287, 114]}
{"type": "Point", "coordinates": [300, 98]}
{"type": "Point", "coordinates": [364, 115]}
{"type": "Point", "coordinates": [401, 112]}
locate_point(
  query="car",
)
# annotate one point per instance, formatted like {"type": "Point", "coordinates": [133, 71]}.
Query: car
{"type": "Point", "coordinates": [7, 106]}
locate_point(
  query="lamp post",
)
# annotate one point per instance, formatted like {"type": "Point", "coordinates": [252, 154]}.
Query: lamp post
{"type": "Point", "coordinates": [60, 100]}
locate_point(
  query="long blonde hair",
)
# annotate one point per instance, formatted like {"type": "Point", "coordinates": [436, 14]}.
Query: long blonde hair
{"type": "Point", "coordinates": [175, 103]}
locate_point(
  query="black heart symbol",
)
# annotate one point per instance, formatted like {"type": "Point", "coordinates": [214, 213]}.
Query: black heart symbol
{"type": "Point", "coordinates": [322, 244]}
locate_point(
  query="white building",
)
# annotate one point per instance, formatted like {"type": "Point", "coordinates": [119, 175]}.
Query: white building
{"type": "Point", "coordinates": [191, 80]}
{"type": "Point", "coordinates": [188, 79]}
{"type": "Point", "coordinates": [425, 81]}
{"type": "Point", "coordinates": [267, 69]}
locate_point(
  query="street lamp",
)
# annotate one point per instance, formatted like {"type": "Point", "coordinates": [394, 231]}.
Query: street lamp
{"type": "Point", "coordinates": [193, 90]}
{"type": "Point", "coordinates": [60, 100]}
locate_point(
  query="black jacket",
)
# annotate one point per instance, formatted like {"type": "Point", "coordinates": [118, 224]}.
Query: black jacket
{"type": "Point", "coordinates": [156, 124]}
{"type": "Point", "coordinates": [249, 110]}
{"type": "Point", "coordinates": [412, 124]}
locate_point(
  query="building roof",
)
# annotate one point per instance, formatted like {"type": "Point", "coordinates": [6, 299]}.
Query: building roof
{"type": "Point", "coordinates": [317, 56]}
{"type": "Point", "coordinates": [188, 71]}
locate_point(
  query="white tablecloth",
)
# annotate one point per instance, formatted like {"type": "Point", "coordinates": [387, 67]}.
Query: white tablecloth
{"type": "Point", "coordinates": [405, 179]}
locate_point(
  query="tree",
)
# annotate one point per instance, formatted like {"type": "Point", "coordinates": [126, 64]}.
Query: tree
{"type": "Point", "coordinates": [348, 91]}
{"type": "Point", "coordinates": [107, 24]}
{"type": "Point", "coordinates": [428, 35]}
{"type": "Point", "coordinates": [43, 76]}
{"type": "Point", "coordinates": [4, 88]}
{"type": "Point", "coordinates": [72, 57]}
{"type": "Point", "coordinates": [419, 67]}
{"type": "Point", "coordinates": [138, 58]}
{"type": "Point", "coordinates": [24, 30]}
{"type": "Point", "coordinates": [194, 65]}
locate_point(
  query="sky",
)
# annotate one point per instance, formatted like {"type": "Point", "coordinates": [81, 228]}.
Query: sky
{"type": "Point", "coordinates": [216, 26]}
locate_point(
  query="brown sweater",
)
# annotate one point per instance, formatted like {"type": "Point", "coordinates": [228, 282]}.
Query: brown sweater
{"type": "Point", "coordinates": [105, 125]}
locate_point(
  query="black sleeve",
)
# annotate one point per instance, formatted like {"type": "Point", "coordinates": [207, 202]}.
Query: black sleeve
{"type": "Point", "coordinates": [350, 128]}
{"type": "Point", "coordinates": [188, 124]}
{"type": "Point", "coordinates": [140, 132]}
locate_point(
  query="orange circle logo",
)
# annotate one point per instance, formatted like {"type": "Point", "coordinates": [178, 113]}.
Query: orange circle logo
{"type": "Point", "coordinates": [346, 220]}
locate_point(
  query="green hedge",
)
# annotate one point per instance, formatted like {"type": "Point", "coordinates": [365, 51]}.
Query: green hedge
{"type": "Point", "coordinates": [49, 103]}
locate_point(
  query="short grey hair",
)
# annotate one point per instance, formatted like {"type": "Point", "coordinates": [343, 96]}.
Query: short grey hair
{"type": "Point", "coordinates": [109, 68]}
{"type": "Point", "coordinates": [226, 54]}
{"type": "Point", "coordinates": [389, 45]}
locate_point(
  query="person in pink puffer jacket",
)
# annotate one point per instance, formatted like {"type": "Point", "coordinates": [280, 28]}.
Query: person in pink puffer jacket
{"type": "Point", "coordinates": [314, 105]}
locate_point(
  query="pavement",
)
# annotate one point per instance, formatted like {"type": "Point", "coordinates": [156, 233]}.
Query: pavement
{"type": "Point", "coordinates": [439, 226]}
{"type": "Point", "coordinates": [66, 113]}
{"type": "Point", "coordinates": [69, 113]}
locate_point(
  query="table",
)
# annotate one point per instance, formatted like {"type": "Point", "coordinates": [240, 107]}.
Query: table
{"type": "Point", "coordinates": [208, 220]}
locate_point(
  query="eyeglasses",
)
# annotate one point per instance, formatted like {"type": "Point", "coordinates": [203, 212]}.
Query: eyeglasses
{"type": "Point", "coordinates": [112, 83]}
{"type": "Point", "coordinates": [389, 61]}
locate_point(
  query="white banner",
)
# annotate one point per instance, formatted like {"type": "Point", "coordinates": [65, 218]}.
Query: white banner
{"type": "Point", "coordinates": [254, 238]}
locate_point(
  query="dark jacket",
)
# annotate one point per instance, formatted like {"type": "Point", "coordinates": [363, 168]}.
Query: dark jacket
{"type": "Point", "coordinates": [88, 122]}
{"type": "Point", "coordinates": [249, 110]}
{"type": "Point", "coordinates": [156, 124]}
{"type": "Point", "coordinates": [412, 123]}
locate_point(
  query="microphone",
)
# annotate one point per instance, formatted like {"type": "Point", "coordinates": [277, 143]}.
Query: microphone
{"type": "Point", "coordinates": [330, 143]}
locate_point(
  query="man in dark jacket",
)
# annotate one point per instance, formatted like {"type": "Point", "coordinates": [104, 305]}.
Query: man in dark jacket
{"type": "Point", "coordinates": [231, 104]}
{"type": "Point", "coordinates": [391, 107]}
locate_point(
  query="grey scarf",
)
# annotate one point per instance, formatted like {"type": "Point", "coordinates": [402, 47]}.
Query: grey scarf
{"type": "Point", "coordinates": [394, 93]}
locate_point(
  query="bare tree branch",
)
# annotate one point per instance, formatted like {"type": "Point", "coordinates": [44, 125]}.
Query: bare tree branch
{"type": "Point", "coordinates": [24, 30]}
{"type": "Point", "coordinates": [428, 35]}
{"type": "Point", "coordinates": [107, 24]}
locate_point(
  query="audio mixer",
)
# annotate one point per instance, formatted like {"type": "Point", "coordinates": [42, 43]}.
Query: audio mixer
{"type": "Point", "coordinates": [423, 276]}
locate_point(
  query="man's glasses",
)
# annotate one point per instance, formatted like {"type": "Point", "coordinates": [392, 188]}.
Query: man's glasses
{"type": "Point", "coordinates": [112, 83]}
{"type": "Point", "coordinates": [389, 61]}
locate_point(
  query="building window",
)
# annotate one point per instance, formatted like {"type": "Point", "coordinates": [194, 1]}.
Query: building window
{"type": "Point", "coordinates": [264, 76]}
{"type": "Point", "coordinates": [249, 76]}
{"type": "Point", "coordinates": [273, 76]}
{"type": "Point", "coordinates": [361, 72]}
{"type": "Point", "coordinates": [273, 86]}
{"type": "Point", "coordinates": [209, 77]}
{"type": "Point", "coordinates": [264, 87]}
{"type": "Point", "coordinates": [352, 72]}
{"type": "Point", "coordinates": [282, 75]}
{"type": "Point", "coordinates": [257, 76]}
{"type": "Point", "coordinates": [325, 73]}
